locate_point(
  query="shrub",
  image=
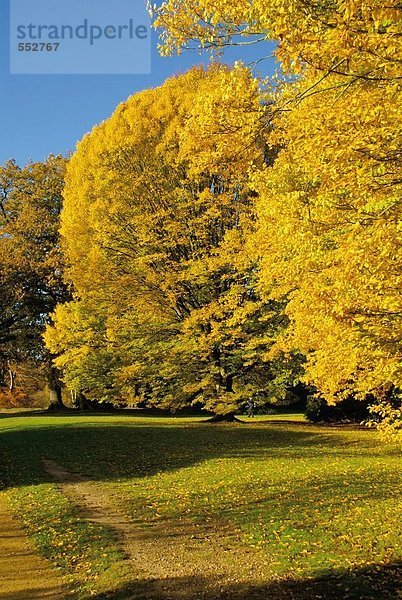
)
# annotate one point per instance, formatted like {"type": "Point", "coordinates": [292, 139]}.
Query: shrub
{"type": "Point", "coordinates": [348, 410]}
{"type": "Point", "coordinates": [15, 399]}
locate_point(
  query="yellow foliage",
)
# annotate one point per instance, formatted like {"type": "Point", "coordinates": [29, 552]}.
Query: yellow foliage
{"type": "Point", "coordinates": [329, 227]}
{"type": "Point", "coordinates": [329, 232]}
{"type": "Point", "coordinates": [157, 208]}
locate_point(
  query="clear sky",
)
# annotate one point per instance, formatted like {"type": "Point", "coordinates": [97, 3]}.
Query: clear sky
{"type": "Point", "coordinates": [43, 114]}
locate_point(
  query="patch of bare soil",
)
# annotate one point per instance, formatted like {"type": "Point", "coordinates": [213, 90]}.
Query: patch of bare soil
{"type": "Point", "coordinates": [172, 560]}
{"type": "Point", "coordinates": [24, 575]}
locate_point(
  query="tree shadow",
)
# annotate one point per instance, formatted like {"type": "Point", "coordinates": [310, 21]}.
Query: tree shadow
{"type": "Point", "coordinates": [374, 582]}
{"type": "Point", "coordinates": [50, 593]}
{"type": "Point", "coordinates": [103, 450]}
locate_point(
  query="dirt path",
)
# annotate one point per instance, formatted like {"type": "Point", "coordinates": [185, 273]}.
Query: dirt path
{"type": "Point", "coordinates": [24, 575]}
{"type": "Point", "coordinates": [175, 559]}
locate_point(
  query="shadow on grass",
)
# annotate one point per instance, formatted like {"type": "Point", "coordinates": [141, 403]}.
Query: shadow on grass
{"type": "Point", "coordinates": [34, 594]}
{"type": "Point", "coordinates": [107, 450]}
{"type": "Point", "coordinates": [375, 582]}
{"type": "Point", "coordinates": [111, 450]}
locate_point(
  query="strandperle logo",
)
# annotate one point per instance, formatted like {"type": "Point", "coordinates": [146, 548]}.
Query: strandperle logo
{"type": "Point", "coordinates": [80, 37]}
{"type": "Point", "coordinates": [85, 31]}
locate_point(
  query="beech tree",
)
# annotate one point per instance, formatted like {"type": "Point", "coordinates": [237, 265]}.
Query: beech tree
{"type": "Point", "coordinates": [329, 209]}
{"type": "Point", "coordinates": [157, 210]}
{"type": "Point", "coordinates": [329, 236]}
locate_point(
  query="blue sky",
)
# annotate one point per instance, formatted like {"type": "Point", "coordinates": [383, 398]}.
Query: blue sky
{"type": "Point", "coordinates": [43, 114]}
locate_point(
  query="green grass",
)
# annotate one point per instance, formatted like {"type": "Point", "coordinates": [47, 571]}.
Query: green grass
{"type": "Point", "coordinates": [82, 550]}
{"type": "Point", "coordinates": [277, 416]}
{"type": "Point", "coordinates": [320, 502]}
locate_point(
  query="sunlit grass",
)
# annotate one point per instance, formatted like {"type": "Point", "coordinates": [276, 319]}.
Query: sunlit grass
{"type": "Point", "coordinates": [315, 500]}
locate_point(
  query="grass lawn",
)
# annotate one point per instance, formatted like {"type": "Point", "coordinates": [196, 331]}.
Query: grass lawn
{"type": "Point", "coordinates": [322, 504]}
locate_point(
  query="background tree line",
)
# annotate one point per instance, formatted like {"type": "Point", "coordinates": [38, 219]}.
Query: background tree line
{"type": "Point", "coordinates": [31, 278]}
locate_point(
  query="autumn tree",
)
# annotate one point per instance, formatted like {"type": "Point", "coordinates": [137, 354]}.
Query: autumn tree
{"type": "Point", "coordinates": [157, 210]}
{"type": "Point", "coordinates": [329, 208]}
{"type": "Point", "coordinates": [357, 39]}
{"type": "Point", "coordinates": [30, 265]}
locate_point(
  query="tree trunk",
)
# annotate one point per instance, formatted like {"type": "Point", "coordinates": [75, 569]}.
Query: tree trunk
{"type": "Point", "coordinates": [216, 358]}
{"type": "Point", "coordinates": [229, 384]}
{"type": "Point", "coordinates": [83, 403]}
{"type": "Point", "coordinates": [55, 390]}
{"type": "Point", "coordinates": [3, 370]}
{"type": "Point", "coordinates": [78, 400]}
{"type": "Point", "coordinates": [55, 396]}
{"type": "Point", "coordinates": [12, 374]}
{"type": "Point", "coordinates": [223, 385]}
